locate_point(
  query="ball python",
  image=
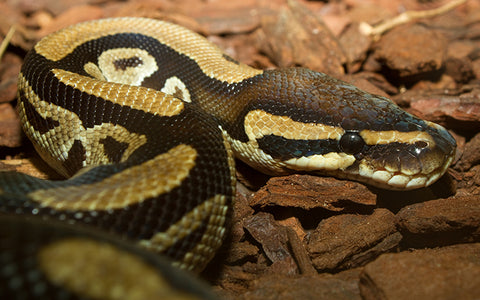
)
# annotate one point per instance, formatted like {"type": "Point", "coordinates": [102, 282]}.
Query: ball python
{"type": "Point", "coordinates": [131, 272]}
{"type": "Point", "coordinates": [144, 117]}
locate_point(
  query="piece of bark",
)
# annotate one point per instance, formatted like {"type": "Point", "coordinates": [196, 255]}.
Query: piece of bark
{"type": "Point", "coordinates": [456, 109]}
{"type": "Point", "coordinates": [300, 253]}
{"type": "Point", "coordinates": [460, 69]}
{"type": "Point", "coordinates": [355, 45]}
{"type": "Point", "coordinates": [469, 184]}
{"type": "Point", "coordinates": [308, 192]}
{"type": "Point", "coordinates": [411, 50]}
{"type": "Point", "coordinates": [241, 47]}
{"type": "Point", "coordinates": [294, 224]}
{"type": "Point", "coordinates": [239, 252]}
{"type": "Point", "coordinates": [229, 17]}
{"type": "Point", "coordinates": [441, 82]}
{"type": "Point", "coordinates": [72, 16]}
{"type": "Point", "coordinates": [9, 69]}
{"type": "Point", "coordinates": [232, 281]}
{"type": "Point", "coordinates": [53, 6]}
{"type": "Point", "coordinates": [296, 37]}
{"type": "Point", "coordinates": [11, 16]}
{"type": "Point", "coordinates": [373, 83]}
{"type": "Point", "coordinates": [348, 240]}
{"type": "Point", "coordinates": [388, 244]}
{"type": "Point", "coordinates": [274, 241]}
{"type": "Point", "coordinates": [440, 222]}
{"type": "Point", "coordinates": [322, 286]}
{"type": "Point", "coordinates": [10, 130]}
{"type": "Point", "coordinates": [240, 212]}
{"type": "Point", "coordinates": [445, 273]}
{"type": "Point", "coordinates": [471, 154]}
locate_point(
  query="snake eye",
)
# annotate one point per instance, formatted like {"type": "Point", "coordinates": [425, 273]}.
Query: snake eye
{"type": "Point", "coordinates": [351, 143]}
{"type": "Point", "coordinates": [421, 144]}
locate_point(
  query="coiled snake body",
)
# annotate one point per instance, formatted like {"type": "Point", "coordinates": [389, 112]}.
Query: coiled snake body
{"type": "Point", "coordinates": [143, 114]}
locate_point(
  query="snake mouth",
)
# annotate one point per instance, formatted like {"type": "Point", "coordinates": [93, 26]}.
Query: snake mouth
{"type": "Point", "coordinates": [398, 180]}
{"type": "Point", "coordinates": [408, 166]}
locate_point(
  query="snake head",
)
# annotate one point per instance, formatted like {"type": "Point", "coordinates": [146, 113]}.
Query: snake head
{"type": "Point", "coordinates": [319, 124]}
{"type": "Point", "coordinates": [396, 159]}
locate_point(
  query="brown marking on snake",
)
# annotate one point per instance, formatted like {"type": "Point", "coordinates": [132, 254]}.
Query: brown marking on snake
{"type": "Point", "coordinates": [127, 187]}
{"type": "Point", "coordinates": [113, 149]}
{"type": "Point", "coordinates": [124, 63]}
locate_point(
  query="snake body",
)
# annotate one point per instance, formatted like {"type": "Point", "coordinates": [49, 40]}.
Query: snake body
{"type": "Point", "coordinates": [145, 116]}
{"type": "Point", "coordinates": [51, 260]}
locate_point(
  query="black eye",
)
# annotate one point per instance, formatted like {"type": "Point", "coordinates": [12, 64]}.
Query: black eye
{"type": "Point", "coordinates": [351, 143]}
{"type": "Point", "coordinates": [421, 144]}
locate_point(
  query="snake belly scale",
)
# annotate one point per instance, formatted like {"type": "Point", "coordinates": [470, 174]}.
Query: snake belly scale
{"type": "Point", "coordinates": [144, 116]}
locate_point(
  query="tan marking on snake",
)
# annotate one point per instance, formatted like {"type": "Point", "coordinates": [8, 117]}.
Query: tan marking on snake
{"type": "Point", "coordinates": [98, 270]}
{"type": "Point", "coordinates": [69, 130]}
{"type": "Point", "coordinates": [211, 212]}
{"type": "Point", "coordinates": [136, 97]}
{"type": "Point", "coordinates": [125, 188]}
{"type": "Point", "coordinates": [120, 134]}
{"type": "Point", "coordinates": [231, 158]}
{"type": "Point", "coordinates": [211, 239]}
{"type": "Point", "coordinates": [208, 56]}
{"type": "Point", "coordinates": [251, 153]}
{"type": "Point", "coordinates": [259, 123]}
{"type": "Point", "coordinates": [386, 137]}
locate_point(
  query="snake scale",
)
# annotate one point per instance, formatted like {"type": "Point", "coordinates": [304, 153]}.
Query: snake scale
{"type": "Point", "coordinates": [144, 117]}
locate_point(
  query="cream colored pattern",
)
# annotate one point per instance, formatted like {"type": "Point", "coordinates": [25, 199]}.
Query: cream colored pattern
{"type": "Point", "coordinates": [386, 137]}
{"type": "Point", "coordinates": [208, 56]}
{"type": "Point", "coordinates": [326, 162]}
{"type": "Point", "coordinates": [173, 86]}
{"type": "Point", "coordinates": [107, 71]}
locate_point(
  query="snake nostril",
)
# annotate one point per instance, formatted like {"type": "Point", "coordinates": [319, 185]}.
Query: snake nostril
{"type": "Point", "coordinates": [351, 143]}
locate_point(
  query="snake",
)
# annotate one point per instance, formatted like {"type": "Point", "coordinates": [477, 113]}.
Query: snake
{"type": "Point", "coordinates": [133, 273]}
{"type": "Point", "coordinates": [146, 118]}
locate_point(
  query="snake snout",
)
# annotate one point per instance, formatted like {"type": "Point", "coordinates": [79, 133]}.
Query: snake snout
{"type": "Point", "coordinates": [439, 155]}
{"type": "Point", "coordinates": [411, 165]}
